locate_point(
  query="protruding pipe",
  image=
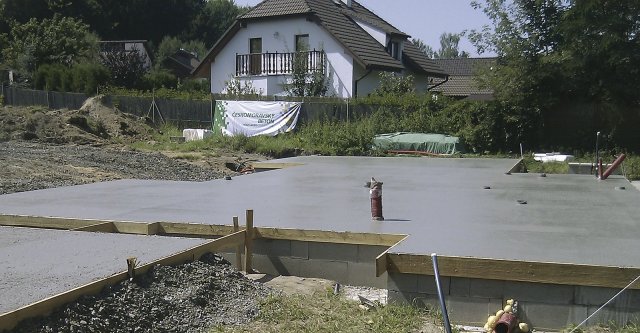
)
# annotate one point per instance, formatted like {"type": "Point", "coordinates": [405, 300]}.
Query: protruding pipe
{"type": "Point", "coordinates": [597, 152]}
{"type": "Point", "coordinates": [600, 168]}
{"type": "Point", "coordinates": [436, 272]}
{"type": "Point", "coordinates": [375, 193]}
{"type": "Point", "coordinates": [613, 166]}
{"type": "Point", "coordinates": [506, 323]}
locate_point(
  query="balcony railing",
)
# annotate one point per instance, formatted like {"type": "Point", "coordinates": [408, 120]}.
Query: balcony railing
{"type": "Point", "coordinates": [279, 63]}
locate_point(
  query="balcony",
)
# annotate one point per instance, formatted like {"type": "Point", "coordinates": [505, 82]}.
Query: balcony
{"type": "Point", "coordinates": [279, 63]}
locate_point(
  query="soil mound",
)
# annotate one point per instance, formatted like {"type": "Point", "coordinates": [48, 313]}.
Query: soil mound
{"type": "Point", "coordinates": [94, 123]}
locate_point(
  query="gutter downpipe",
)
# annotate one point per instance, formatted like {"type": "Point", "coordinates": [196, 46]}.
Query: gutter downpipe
{"type": "Point", "coordinates": [443, 306]}
{"type": "Point", "coordinates": [439, 84]}
{"type": "Point", "coordinates": [355, 88]}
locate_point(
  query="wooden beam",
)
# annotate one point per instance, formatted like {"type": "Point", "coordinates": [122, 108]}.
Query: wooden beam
{"type": "Point", "coordinates": [136, 228]}
{"type": "Point", "coordinates": [248, 242]}
{"type": "Point", "coordinates": [382, 261]}
{"type": "Point", "coordinates": [513, 270]}
{"type": "Point", "coordinates": [10, 319]}
{"type": "Point", "coordinates": [154, 228]}
{"type": "Point", "coordinates": [345, 237]}
{"type": "Point", "coordinates": [45, 222]}
{"type": "Point", "coordinates": [194, 229]}
{"type": "Point", "coordinates": [273, 165]}
{"type": "Point", "coordinates": [108, 227]}
{"type": "Point", "coordinates": [236, 228]}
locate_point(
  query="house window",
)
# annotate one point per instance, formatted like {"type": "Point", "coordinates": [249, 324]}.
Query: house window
{"type": "Point", "coordinates": [302, 43]}
{"type": "Point", "coordinates": [255, 57]}
{"type": "Point", "coordinates": [394, 49]}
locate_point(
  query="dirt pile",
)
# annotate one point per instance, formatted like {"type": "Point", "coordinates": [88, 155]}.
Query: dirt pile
{"type": "Point", "coordinates": [191, 297]}
{"type": "Point", "coordinates": [94, 123]}
{"type": "Point", "coordinates": [27, 166]}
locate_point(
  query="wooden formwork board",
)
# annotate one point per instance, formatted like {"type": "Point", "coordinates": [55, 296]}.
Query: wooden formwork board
{"type": "Point", "coordinates": [514, 270]}
{"type": "Point", "coordinates": [10, 319]}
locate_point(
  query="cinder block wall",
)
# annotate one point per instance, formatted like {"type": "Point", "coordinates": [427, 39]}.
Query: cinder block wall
{"type": "Point", "coordinates": [545, 306]}
{"type": "Point", "coordinates": [344, 263]}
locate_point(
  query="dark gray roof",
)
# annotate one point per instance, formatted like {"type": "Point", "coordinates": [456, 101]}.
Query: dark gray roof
{"type": "Point", "coordinates": [462, 81]}
{"type": "Point", "coordinates": [464, 66]}
{"type": "Point", "coordinates": [268, 8]}
{"type": "Point", "coordinates": [340, 21]}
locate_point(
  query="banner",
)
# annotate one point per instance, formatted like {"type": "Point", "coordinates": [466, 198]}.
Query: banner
{"type": "Point", "coordinates": [252, 118]}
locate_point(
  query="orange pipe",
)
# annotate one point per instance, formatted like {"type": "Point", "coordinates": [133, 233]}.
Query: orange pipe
{"type": "Point", "coordinates": [613, 166]}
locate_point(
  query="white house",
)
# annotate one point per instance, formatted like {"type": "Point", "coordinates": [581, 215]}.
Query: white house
{"type": "Point", "coordinates": [348, 43]}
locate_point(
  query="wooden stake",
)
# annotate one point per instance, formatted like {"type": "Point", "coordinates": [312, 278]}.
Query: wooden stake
{"type": "Point", "coordinates": [236, 228]}
{"type": "Point", "coordinates": [248, 242]}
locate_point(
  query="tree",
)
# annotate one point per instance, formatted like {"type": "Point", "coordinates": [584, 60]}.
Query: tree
{"type": "Point", "coordinates": [448, 47]}
{"type": "Point", "coordinates": [573, 64]}
{"type": "Point", "coordinates": [127, 67]}
{"type": "Point", "coordinates": [59, 40]}
{"type": "Point", "coordinates": [212, 21]}
{"type": "Point", "coordinates": [424, 48]}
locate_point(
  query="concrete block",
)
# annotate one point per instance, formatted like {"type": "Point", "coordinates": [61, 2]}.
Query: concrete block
{"type": "Point", "coordinates": [474, 311]}
{"type": "Point", "coordinates": [427, 284]}
{"type": "Point", "coordinates": [460, 287]}
{"type": "Point", "coordinates": [415, 299]}
{"type": "Point", "coordinates": [597, 296]}
{"type": "Point", "coordinates": [325, 269]}
{"type": "Point", "coordinates": [364, 274]}
{"type": "Point", "coordinates": [300, 249]}
{"type": "Point", "coordinates": [539, 292]}
{"type": "Point", "coordinates": [272, 247]}
{"type": "Point", "coordinates": [277, 265]}
{"type": "Point", "coordinates": [551, 316]}
{"type": "Point", "coordinates": [368, 253]}
{"type": "Point", "coordinates": [333, 251]}
{"type": "Point", "coordinates": [403, 282]}
{"type": "Point", "coordinates": [486, 288]}
{"type": "Point", "coordinates": [611, 314]}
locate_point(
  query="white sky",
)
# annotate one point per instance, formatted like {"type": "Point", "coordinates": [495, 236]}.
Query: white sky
{"type": "Point", "coordinates": [424, 19]}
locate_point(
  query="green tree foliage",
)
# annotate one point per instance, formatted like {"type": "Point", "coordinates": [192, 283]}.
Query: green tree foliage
{"type": "Point", "coordinates": [306, 81]}
{"type": "Point", "coordinates": [449, 47]}
{"type": "Point", "coordinates": [127, 67]}
{"type": "Point", "coordinates": [572, 65]}
{"type": "Point", "coordinates": [212, 21]}
{"type": "Point", "coordinates": [395, 84]}
{"type": "Point", "coordinates": [59, 40]}
{"type": "Point", "coordinates": [83, 78]}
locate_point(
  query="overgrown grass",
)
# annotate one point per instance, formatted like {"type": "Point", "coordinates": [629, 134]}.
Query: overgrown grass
{"type": "Point", "coordinates": [631, 327]}
{"type": "Point", "coordinates": [325, 312]}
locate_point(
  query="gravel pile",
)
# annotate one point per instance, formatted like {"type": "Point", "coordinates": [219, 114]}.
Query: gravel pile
{"type": "Point", "coordinates": [192, 297]}
{"type": "Point", "coordinates": [27, 166]}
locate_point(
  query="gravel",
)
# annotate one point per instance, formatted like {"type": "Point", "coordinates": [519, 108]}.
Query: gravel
{"type": "Point", "coordinates": [193, 297]}
{"type": "Point", "coordinates": [27, 166]}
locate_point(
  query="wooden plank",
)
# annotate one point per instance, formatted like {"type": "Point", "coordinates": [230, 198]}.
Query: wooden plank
{"type": "Point", "coordinates": [382, 260]}
{"type": "Point", "coordinates": [513, 270]}
{"type": "Point", "coordinates": [194, 229]}
{"type": "Point", "coordinates": [273, 165]}
{"type": "Point", "coordinates": [45, 222]}
{"type": "Point", "coordinates": [248, 242]}
{"type": "Point", "coordinates": [329, 236]}
{"type": "Point", "coordinates": [236, 228]}
{"type": "Point", "coordinates": [108, 227]}
{"type": "Point", "coordinates": [154, 228]}
{"type": "Point", "coordinates": [10, 319]}
{"type": "Point", "coordinates": [136, 228]}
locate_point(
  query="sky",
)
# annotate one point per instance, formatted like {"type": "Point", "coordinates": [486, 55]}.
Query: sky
{"type": "Point", "coordinates": [425, 19]}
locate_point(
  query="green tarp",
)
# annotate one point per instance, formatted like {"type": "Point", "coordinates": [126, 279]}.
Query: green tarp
{"type": "Point", "coordinates": [418, 142]}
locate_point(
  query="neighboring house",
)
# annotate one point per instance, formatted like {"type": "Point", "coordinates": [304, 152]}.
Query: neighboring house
{"type": "Point", "coordinates": [348, 43]}
{"type": "Point", "coordinates": [127, 46]}
{"type": "Point", "coordinates": [462, 83]}
{"type": "Point", "coordinates": [181, 63]}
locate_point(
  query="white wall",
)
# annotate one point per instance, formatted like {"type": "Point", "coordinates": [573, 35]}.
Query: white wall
{"type": "Point", "coordinates": [279, 36]}
{"type": "Point", "coordinates": [141, 50]}
{"type": "Point", "coordinates": [376, 33]}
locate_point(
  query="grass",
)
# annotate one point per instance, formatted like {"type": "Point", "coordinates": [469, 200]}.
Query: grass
{"type": "Point", "coordinates": [325, 312]}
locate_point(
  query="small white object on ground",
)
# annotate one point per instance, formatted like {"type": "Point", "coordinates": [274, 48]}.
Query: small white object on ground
{"type": "Point", "coordinates": [552, 157]}
{"type": "Point", "coordinates": [191, 134]}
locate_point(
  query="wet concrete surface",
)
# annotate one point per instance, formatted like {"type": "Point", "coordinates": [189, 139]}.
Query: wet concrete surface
{"type": "Point", "coordinates": [441, 203]}
{"type": "Point", "coordinates": [37, 263]}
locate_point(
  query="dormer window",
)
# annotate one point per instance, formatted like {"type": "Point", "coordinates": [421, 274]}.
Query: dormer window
{"type": "Point", "coordinates": [393, 48]}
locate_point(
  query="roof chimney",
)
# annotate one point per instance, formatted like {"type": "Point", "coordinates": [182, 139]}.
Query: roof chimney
{"type": "Point", "coordinates": [349, 3]}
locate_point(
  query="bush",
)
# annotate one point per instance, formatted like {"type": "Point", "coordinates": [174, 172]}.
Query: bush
{"type": "Point", "coordinates": [159, 79]}
{"type": "Point", "coordinates": [83, 78]}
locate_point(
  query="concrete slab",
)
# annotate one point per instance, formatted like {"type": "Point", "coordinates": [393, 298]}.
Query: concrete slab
{"type": "Point", "coordinates": [37, 263]}
{"type": "Point", "coordinates": [441, 203]}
